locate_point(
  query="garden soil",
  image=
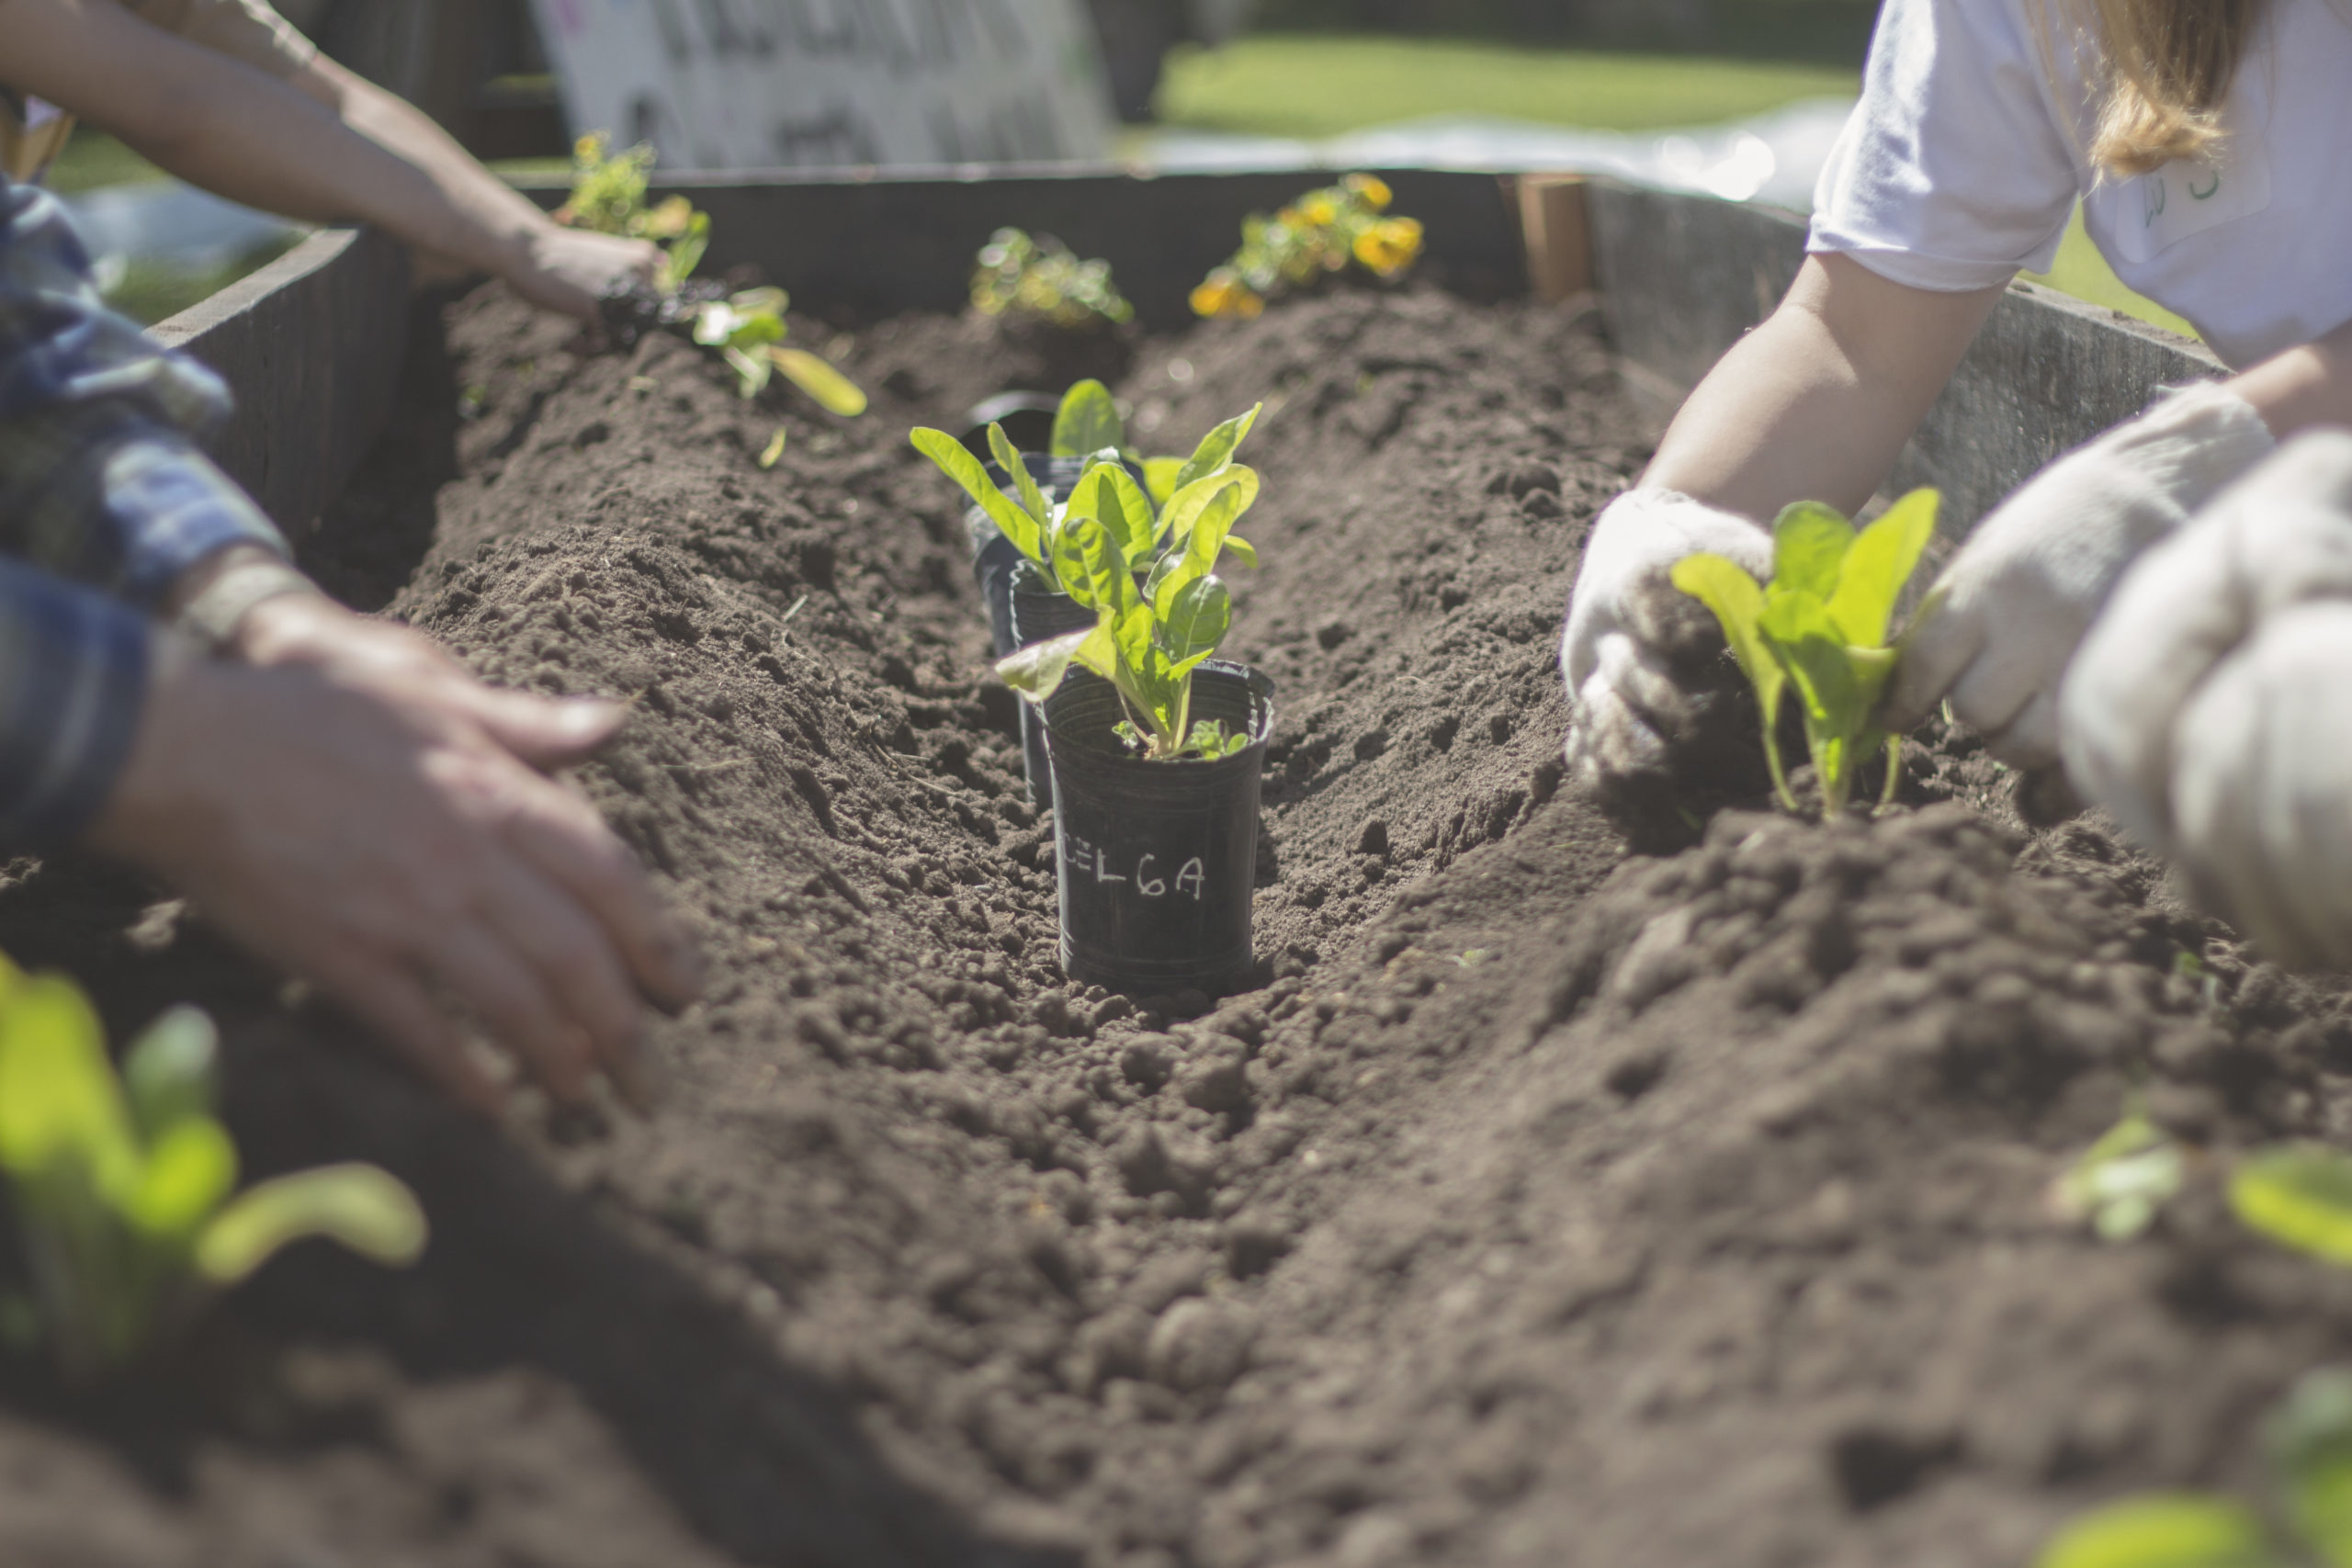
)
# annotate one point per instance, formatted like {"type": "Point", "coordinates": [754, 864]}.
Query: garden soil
{"type": "Point", "coordinates": [1548, 1197]}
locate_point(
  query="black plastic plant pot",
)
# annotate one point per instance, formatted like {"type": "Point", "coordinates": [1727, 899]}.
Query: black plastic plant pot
{"type": "Point", "coordinates": [1038, 615]}
{"type": "Point", "coordinates": [1156, 861]}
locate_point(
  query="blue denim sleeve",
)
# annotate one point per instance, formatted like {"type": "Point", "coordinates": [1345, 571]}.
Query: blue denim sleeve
{"type": "Point", "coordinates": [73, 680]}
{"type": "Point", "coordinates": [101, 479]}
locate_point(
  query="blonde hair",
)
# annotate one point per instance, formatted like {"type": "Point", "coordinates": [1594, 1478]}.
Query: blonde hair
{"type": "Point", "coordinates": [2165, 73]}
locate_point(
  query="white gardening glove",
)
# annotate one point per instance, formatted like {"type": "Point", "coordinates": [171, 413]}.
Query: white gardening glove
{"type": "Point", "coordinates": [2210, 709]}
{"type": "Point", "coordinates": [1643, 658]}
{"type": "Point", "coordinates": [1997, 632]}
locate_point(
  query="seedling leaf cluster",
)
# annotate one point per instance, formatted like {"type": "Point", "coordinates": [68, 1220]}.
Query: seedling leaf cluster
{"type": "Point", "coordinates": [1315, 236]}
{"type": "Point", "coordinates": [1145, 563]}
{"type": "Point", "coordinates": [1037, 276]}
{"type": "Point", "coordinates": [125, 1186]}
{"type": "Point", "coordinates": [1819, 628]}
{"type": "Point", "coordinates": [746, 328]}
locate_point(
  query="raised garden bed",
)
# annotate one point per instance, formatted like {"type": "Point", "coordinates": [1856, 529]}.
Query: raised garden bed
{"type": "Point", "coordinates": [1543, 1202]}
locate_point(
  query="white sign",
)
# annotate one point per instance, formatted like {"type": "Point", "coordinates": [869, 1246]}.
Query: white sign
{"type": "Point", "coordinates": [766, 83]}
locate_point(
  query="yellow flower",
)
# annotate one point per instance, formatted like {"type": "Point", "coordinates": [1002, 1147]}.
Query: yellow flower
{"type": "Point", "coordinates": [1322, 211]}
{"type": "Point", "coordinates": [1390, 246]}
{"type": "Point", "coordinates": [1372, 188]}
{"type": "Point", "coordinates": [1222, 294]}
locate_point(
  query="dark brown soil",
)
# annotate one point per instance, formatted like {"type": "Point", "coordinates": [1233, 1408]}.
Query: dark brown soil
{"type": "Point", "coordinates": [1548, 1203]}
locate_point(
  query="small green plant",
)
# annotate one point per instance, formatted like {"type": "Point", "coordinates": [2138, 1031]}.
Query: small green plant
{"type": "Point", "coordinates": [1151, 634]}
{"type": "Point", "coordinates": [1820, 626]}
{"type": "Point", "coordinates": [122, 1185]}
{"type": "Point", "coordinates": [2122, 1181]}
{"type": "Point", "coordinates": [2308, 1443]}
{"type": "Point", "coordinates": [1039, 277]}
{"type": "Point", "coordinates": [1145, 528]}
{"type": "Point", "coordinates": [746, 328]}
{"type": "Point", "coordinates": [608, 198]}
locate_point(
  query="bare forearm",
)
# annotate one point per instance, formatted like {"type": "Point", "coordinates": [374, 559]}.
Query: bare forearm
{"type": "Point", "coordinates": [487, 221]}
{"type": "Point", "coordinates": [2303, 388]}
{"type": "Point", "coordinates": [1815, 404]}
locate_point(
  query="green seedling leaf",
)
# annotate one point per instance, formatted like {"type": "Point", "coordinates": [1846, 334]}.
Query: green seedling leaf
{"type": "Point", "coordinates": [1193, 554]}
{"type": "Point", "coordinates": [1217, 450]}
{"type": "Point", "coordinates": [364, 1208]}
{"type": "Point", "coordinates": [60, 1102]}
{"type": "Point", "coordinates": [833, 393]}
{"type": "Point", "coordinates": [1242, 550]}
{"type": "Point", "coordinates": [1181, 519]}
{"type": "Point", "coordinates": [1092, 568]}
{"type": "Point", "coordinates": [2165, 1530]}
{"type": "Point", "coordinates": [773, 453]}
{"type": "Point", "coordinates": [968, 472]}
{"type": "Point", "coordinates": [1036, 671]}
{"type": "Point", "coordinates": [1109, 494]}
{"type": "Point", "coordinates": [1809, 545]}
{"type": "Point", "coordinates": [1878, 565]}
{"type": "Point", "coordinates": [751, 371]}
{"type": "Point", "coordinates": [189, 1170]}
{"type": "Point", "coordinates": [1723, 586]}
{"type": "Point", "coordinates": [1024, 488]}
{"type": "Point", "coordinates": [1088, 421]}
{"type": "Point", "coordinates": [168, 1071]}
{"type": "Point", "coordinates": [2299, 1195]}
{"type": "Point", "coordinates": [1196, 622]}
{"type": "Point", "coordinates": [2121, 1181]}
{"type": "Point", "coordinates": [1160, 478]}
{"type": "Point", "coordinates": [2310, 1442]}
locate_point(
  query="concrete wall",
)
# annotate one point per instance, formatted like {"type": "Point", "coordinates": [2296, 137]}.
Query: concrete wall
{"type": "Point", "coordinates": [310, 347]}
{"type": "Point", "coordinates": [1683, 278]}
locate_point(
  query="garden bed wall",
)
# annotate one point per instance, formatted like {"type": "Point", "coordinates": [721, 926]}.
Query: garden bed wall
{"type": "Point", "coordinates": [310, 347]}
{"type": "Point", "coordinates": [311, 344]}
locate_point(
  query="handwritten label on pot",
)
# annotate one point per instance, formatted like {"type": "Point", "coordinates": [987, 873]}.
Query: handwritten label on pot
{"type": "Point", "coordinates": [769, 84]}
{"type": "Point", "coordinates": [1149, 876]}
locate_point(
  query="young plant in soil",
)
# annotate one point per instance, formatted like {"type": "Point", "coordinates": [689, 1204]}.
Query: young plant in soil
{"type": "Point", "coordinates": [1147, 532]}
{"type": "Point", "coordinates": [122, 1185]}
{"type": "Point", "coordinates": [746, 328]}
{"type": "Point", "coordinates": [1820, 626]}
{"type": "Point", "coordinates": [2308, 1444]}
{"type": "Point", "coordinates": [1146, 641]}
{"type": "Point", "coordinates": [1040, 278]}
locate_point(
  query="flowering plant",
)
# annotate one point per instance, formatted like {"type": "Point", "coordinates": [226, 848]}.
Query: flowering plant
{"type": "Point", "coordinates": [1319, 233]}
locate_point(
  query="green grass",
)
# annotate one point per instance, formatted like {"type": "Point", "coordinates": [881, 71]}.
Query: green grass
{"type": "Point", "coordinates": [1311, 85]}
{"type": "Point", "coordinates": [2082, 271]}
{"type": "Point", "coordinates": [92, 159]}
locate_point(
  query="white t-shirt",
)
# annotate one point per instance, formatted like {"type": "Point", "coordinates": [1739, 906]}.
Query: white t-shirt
{"type": "Point", "coordinates": [1963, 161]}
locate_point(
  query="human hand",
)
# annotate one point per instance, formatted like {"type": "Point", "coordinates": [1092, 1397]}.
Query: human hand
{"type": "Point", "coordinates": [355, 808]}
{"type": "Point", "coordinates": [1996, 633]}
{"type": "Point", "coordinates": [2208, 709]}
{"type": "Point", "coordinates": [1641, 656]}
{"type": "Point", "coordinates": [571, 269]}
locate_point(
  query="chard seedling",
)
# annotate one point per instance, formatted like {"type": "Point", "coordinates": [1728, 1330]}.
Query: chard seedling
{"type": "Point", "coordinates": [122, 1185]}
{"type": "Point", "coordinates": [1820, 627]}
{"type": "Point", "coordinates": [2122, 1181]}
{"type": "Point", "coordinates": [1016, 274]}
{"type": "Point", "coordinates": [1146, 641]}
{"type": "Point", "coordinates": [1149, 533]}
{"type": "Point", "coordinates": [748, 329]}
